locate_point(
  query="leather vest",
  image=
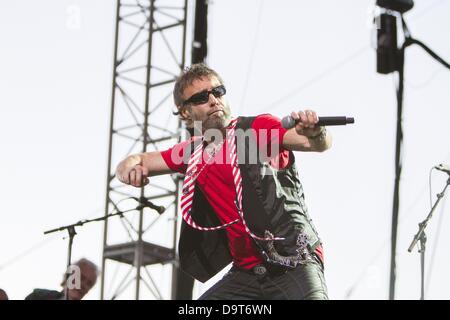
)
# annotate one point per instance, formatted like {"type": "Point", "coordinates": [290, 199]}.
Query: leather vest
{"type": "Point", "coordinates": [273, 204]}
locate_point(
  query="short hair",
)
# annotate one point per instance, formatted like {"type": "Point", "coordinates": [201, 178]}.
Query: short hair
{"type": "Point", "coordinates": [186, 78]}
{"type": "Point", "coordinates": [82, 261]}
{"type": "Point", "coordinates": [86, 262]}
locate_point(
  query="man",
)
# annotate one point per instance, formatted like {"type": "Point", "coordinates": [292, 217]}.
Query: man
{"type": "Point", "coordinates": [239, 203]}
{"type": "Point", "coordinates": [3, 295]}
{"type": "Point", "coordinates": [88, 273]}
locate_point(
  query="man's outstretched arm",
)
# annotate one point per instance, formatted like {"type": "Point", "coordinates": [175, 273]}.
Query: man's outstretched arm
{"type": "Point", "coordinates": [306, 136]}
{"type": "Point", "coordinates": [135, 169]}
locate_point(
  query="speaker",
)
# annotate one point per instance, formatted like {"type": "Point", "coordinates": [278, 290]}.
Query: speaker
{"type": "Point", "coordinates": [397, 5]}
{"type": "Point", "coordinates": [387, 44]}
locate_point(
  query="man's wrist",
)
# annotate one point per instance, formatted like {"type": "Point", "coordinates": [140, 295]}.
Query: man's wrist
{"type": "Point", "coordinates": [322, 133]}
{"type": "Point", "coordinates": [135, 160]}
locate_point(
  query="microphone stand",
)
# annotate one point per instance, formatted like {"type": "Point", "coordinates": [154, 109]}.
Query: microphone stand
{"type": "Point", "coordinates": [71, 230]}
{"type": "Point", "coordinates": [420, 236]}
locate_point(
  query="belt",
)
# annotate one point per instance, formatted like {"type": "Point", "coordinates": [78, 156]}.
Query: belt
{"type": "Point", "coordinates": [259, 270]}
{"type": "Point", "coordinates": [262, 270]}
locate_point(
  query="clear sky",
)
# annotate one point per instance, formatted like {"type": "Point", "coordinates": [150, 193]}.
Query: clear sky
{"type": "Point", "coordinates": [276, 57]}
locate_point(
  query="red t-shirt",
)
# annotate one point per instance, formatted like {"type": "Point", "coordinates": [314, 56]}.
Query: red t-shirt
{"type": "Point", "coordinates": [217, 185]}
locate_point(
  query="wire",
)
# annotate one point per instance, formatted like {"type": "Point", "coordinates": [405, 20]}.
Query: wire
{"type": "Point", "coordinates": [252, 55]}
{"type": "Point", "coordinates": [426, 82]}
{"type": "Point", "coordinates": [435, 245]}
{"type": "Point", "coordinates": [386, 240]}
{"type": "Point", "coordinates": [37, 246]}
{"type": "Point", "coordinates": [342, 63]}
{"type": "Point", "coordinates": [317, 78]}
{"type": "Point", "coordinates": [430, 187]}
{"type": "Point", "coordinates": [321, 76]}
{"type": "Point", "coordinates": [46, 241]}
{"type": "Point", "coordinates": [438, 232]}
{"type": "Point", "coordinates": [426, 10]}
{"type": "Point", "coordinates": [381, 249]}
{"type": "Point", "coordinates": [410, 41]}
{"type": "Point", "coordinates": [27, 252]}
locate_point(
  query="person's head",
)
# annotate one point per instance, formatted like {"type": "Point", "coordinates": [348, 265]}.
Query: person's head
{"type": "Point", "coordinates": [88, 277]}
{"type": "Point", "coordinates": [3, 295]}
{"type": "Point", "coordinates": [199, 96]}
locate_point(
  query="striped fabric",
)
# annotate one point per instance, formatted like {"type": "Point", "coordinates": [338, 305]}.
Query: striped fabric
{"type": "Point", "coordinates": [189, 186]}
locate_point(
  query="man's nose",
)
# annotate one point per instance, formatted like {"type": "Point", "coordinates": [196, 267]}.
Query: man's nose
{"type": "Point", "coordinates": [212, 99]}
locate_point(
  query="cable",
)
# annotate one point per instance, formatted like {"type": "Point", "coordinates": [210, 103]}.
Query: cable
{"type": "Point", "coordinates": [399, 142]}
{"type": "Point", "coordinates": [433, 254]}
{"type": "Point", "coordinates": [27, 252]}
{"type": "Point", "coordinates": [340, 64]}
{"type": "Point", "coordinates": [430, 187]}
{"type": "Point", "coordinates": [318, 77]}
{"type": "Point", "coordinates": [411, 41]}
{"type": "Point", "coordinates": [37, 246]}
{"type": "Point", "coordinates": [426, 10]}
{"type": "Point", "coordinates": [426, 82]}
{"type": "Point", "coordinates": [330, 70]}
{"type": "Point", "coordinates": [252, 55]}
{"type": "Point", "coordinates": [381, 248]}
{"type": "Point", "coordinates": [435, 73]}
{"type": "Point", "coordinates": [44, 242]}
{"type": "Point", "coordinates": [435, 245]}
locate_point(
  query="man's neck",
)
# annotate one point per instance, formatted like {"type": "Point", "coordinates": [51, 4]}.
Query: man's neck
{"type": "Point", "coordinates": [223, 130]}
{"type": "Point", "coordinates": [216, 139]}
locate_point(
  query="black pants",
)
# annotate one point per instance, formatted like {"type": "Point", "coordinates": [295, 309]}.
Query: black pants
{"type": "Point", "coordinates": [305, 282]}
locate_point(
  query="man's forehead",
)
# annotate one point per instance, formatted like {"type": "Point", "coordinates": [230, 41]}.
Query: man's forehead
{"type": "Point", "coordinates": [203, 83]}
{"type": "Point", "coordinates": [87, 268]}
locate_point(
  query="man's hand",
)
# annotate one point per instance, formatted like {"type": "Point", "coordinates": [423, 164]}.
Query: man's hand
{"type": "Point", "coordinates": [132, 172]}
{"type": "Point", "coordinates": [306, 135]}
{"type": "Point", "coordinates": [307, 124]}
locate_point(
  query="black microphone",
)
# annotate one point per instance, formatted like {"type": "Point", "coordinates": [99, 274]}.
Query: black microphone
{"type": "Point", "coordinates": [144, 202]}
{"type": "Point", "coordinates": [289, 122]}
{"type": "Point", "coordinates": [443, 167]}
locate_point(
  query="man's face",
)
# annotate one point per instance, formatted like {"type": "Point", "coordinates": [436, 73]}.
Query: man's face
{"type": "Point", "coordinates": [87, 281]}
{"type": "Point", "coordinates": [215, 113]}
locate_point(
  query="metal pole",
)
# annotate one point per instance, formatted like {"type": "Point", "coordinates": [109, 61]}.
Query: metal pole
{"type": "Point", "coordinates": [139, 247]}
{"type": "Point", "coordinates": [111, 121]}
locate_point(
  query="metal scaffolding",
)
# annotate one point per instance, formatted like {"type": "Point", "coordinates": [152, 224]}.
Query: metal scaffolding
{"type": "Point", "coordinates": [149, 53]}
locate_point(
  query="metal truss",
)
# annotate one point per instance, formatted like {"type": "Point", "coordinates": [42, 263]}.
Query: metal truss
{"type": "Point", "coordinates": [149, 53]}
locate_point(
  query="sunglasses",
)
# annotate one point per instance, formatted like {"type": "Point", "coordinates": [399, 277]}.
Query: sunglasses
{"type": "Point", "coordinates": [203, 97]}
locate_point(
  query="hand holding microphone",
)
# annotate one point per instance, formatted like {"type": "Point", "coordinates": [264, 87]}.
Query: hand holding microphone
{"type": "Point", "coordinates": [309, 115]}
{"type": "Point", "coordinates": [307, 122]}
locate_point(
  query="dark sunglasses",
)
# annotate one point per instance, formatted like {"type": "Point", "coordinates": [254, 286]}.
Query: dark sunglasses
{"type": "Point", "coordinates": [203, 97]}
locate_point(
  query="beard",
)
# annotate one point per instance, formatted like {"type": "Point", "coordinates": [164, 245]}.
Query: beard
{"type": "Point", "coordinates": [218, 120]}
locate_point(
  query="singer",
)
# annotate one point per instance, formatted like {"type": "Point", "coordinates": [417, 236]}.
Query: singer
{"type": "Point", "coordinates": [242, 200]}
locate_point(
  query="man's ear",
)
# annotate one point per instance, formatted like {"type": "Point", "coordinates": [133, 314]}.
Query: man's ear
{"type": "Point", "coordinates": [185, 113]}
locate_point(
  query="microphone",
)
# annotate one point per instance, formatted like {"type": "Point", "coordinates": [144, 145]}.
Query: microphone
{"type": "Point", "coordinates": [289, 122]}
{"type": "Point", "coordinates": [144, 202]}
{"type": "Point", "coordinates": [443, 168]}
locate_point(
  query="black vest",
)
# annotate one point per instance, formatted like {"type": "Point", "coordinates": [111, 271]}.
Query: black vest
{"type": "Point", "coordinates": [272, 200]}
